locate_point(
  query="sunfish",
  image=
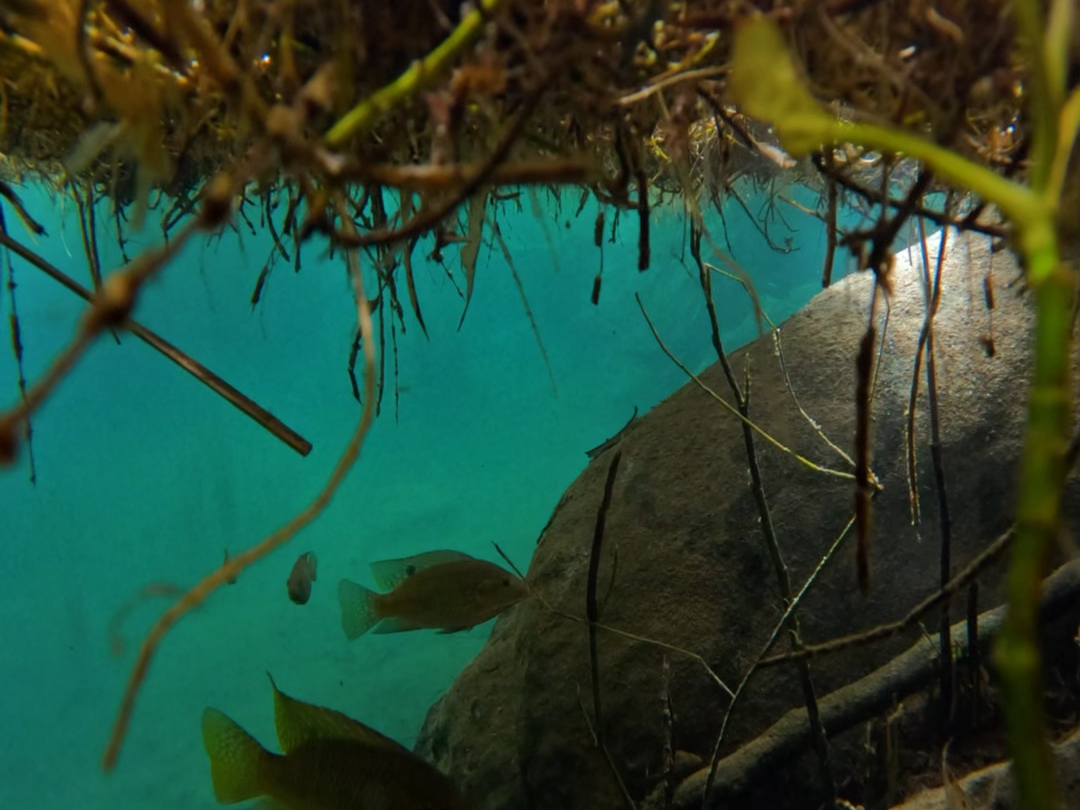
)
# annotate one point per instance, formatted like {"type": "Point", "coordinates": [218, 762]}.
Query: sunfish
{"type": "Point", "coordinates": [444, 590]}
{"type": "Point", "coordinates": [330, 762]}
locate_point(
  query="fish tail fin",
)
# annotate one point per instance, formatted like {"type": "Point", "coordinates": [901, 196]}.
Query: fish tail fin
{"type": "Point", "coordinates": [237, 761]}
{"type": "Point", "coordinates": [358, 608]}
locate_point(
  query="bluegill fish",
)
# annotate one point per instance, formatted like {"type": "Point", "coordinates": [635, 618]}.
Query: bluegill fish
{"type": "Point", "coordinates": [444, 590]}
{"type": "Point", "coordinates": [302, 575]}
{"type": "Point", "coordinates": [330, 762]}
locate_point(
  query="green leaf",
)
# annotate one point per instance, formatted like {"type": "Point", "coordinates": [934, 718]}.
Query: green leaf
{"type": "Point", "coordinates": [767, 87]}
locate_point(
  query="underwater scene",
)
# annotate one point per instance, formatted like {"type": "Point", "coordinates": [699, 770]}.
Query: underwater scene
{"type": "Point", "coordinates": [144, 479]}
{"type": "Point", "coordinates": [539, 405]}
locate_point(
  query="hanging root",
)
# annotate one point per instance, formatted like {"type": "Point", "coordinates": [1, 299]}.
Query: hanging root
{"type": "Point", "coordinates": [232, 567]}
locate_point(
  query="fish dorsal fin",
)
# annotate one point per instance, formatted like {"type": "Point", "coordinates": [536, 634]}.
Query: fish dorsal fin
{"type": "Point", "coordinates": [391, 573]}
{"type": "Point", "coordinates": [298, 722]}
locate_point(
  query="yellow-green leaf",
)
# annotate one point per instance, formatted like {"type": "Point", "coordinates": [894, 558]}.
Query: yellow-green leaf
{"type": "Point", "coordinates": [767, 87]}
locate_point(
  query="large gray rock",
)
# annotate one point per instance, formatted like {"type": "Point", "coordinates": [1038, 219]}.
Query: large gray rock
{"type": "Point", "coordinates": [684, 561]}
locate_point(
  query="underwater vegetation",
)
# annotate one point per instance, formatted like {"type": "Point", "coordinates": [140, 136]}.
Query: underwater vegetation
{"type": "Point", "coordinates": [393, 137]}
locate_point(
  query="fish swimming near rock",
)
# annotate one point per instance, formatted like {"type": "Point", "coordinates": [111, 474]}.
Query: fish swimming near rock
{"type": "Point", "coordinates": [329, 762]}
{"type": "Point", "coordinates": [438, 590]}
{"type": "Point", "coordinates": [302, 575]}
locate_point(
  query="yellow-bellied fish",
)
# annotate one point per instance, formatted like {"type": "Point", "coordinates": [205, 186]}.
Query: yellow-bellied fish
{"type": "Point", "coordinates": [297, 722]}
{"type": "Point", "coordinates": [303, 574]}
{"type": "Point", "coordinates": [444, 590]}
{"type": "Point", "coordinates": [330, 762]}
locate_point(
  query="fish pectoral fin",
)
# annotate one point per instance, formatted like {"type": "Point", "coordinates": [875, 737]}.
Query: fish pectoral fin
{"type": "Point", "coordinates": [395, 624]}
{"type": "Point", "coordinates": [448, 630]}
{"type": "Point", "coordinates": [389, 574]}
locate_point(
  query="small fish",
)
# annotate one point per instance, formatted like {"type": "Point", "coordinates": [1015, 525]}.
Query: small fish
{"type": "Point", "coordinates": [776, 155]}
{"type": "Point", "coordinates": [303, 574]}
{"type": "Point", "coordinates": [330, 762]}
{"type": "Point", "coordinates": [444, 590]}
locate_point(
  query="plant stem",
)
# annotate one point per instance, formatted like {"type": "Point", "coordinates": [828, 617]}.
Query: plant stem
{"type": "Point", "coordinates": [1017, 202]}
{"type": "Point", "coordinates": [1045, 102]}
{"type": "Point", "coordinates": [1041, 475]}
{"type": "Point", "coordinates": [420, 75]}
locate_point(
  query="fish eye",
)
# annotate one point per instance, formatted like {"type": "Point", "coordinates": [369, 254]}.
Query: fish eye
{"type": "Point", "coordinates": [506, 582]}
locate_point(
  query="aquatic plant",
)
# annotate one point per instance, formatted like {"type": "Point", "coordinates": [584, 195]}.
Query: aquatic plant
{"type": "Point", "coordinates": [765, 82]}
{"type": "Point", "coordinates": [376, 125]}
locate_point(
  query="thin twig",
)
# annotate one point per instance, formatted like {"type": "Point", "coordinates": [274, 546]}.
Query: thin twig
{"type": "Point", "coordinates": [497, 233]}
{"type": "Point", "coordinates": [734, 411]}
{"type": "Point", "coordinates": [787, 377]}
{"type": "Point", "coordinates": [31, 224]}
{"type": "Point", "coordinates": [865, 698]}
{"type": "Point", "coordinates": [675, 78]}
{"type": "Point", "coordinates": [110, 308]}
{"type": "Point", "coordinates": [83, 54]}
{"type": "Point", "coordinates": [777, 629]}
{"type": "Point", "coordinates": [876, 197]}
{"type": "Point", "coordinates": [427, 219]}
{"type": "Point", "coordinates": [232, 567]}
{"type": "Point", "coordinates": [607, 628]}
{"type": "Point", "coordinates": [189, 364]}
{"type": "Point", "coordinates": [765, 517]}
{"type": "Point", "coordinates": [418, 77]}
{"type": "Point", "coordinates": [933, 296]}
{"type": "Point", "coordinates": [966, 575]}
{"type": "Point", "coordinates": [762, 229]}
{"type": "Point", "coordinates": [435, 177]}
{"type": "Point", "coordinates": [863, 489]}
{"type": "Point", "coordinates": [17, 351]}
{"type": "Point", "coordinates": [830, 225]}
{"type": "Point", "coordinates": [592, 609]}
{"type": "Point", "coordinates": [882, 631]}
{"type": "Point", "coordinates": [667, 714]}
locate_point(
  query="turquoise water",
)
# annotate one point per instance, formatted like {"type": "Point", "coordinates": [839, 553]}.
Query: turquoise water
{"type": "Point", "coordinates": [145, 475]}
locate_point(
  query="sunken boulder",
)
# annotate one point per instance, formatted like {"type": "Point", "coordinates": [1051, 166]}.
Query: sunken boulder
{"type": "Point", "coordinates": [684, 560]}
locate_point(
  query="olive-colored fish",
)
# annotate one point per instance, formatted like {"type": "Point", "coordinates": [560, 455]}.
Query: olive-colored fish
{"type": "Point", "coordinates": [330, 762]}
{"type": "Point", "coordinates": [303, 574]}
{"type": "Point", "coordinates": [297, 722]}
{"type": "Point", "coordinates": [444, 590]}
